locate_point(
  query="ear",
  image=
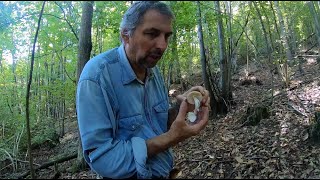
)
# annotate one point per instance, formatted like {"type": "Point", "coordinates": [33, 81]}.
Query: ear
{"type": "Point", "coordinates": [125, 36]}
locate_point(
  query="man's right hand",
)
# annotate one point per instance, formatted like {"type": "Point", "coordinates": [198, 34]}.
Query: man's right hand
{"type": "Point", "coordinates": [181, 129]}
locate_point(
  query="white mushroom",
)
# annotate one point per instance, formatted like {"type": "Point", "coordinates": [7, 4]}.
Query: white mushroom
{"type": "Point", "coordinates": [191, 116]}
{"type": "Point", "coordinates": [194, 97]}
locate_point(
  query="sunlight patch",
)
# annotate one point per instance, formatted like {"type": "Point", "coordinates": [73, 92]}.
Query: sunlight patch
{"type": "Point", "coordinates": [311, 61]}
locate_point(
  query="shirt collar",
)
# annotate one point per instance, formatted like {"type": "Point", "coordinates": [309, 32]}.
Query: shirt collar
{"type": "Point", "coordinates": [128, 74]}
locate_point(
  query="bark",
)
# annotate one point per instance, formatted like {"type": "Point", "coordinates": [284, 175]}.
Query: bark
{"type": "Point", "coordinates": [85, 43]}
{"type": "Point", "coordinates": [51, 163]}
{"type": "Point", "coordinates": [232, 65]}
{"type": "Point", "coordinates": [224, 62]}
{"type": "Point", "coordinates": [85, 47]}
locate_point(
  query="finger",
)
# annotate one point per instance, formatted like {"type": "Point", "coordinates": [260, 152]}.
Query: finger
{"type": "Point", "coordinates": [203, 121]}
{"type": "Point", "coordinates": [182, 110]}
{"type": "Point", "coordinates": [205, 97]}
{"type": "Point", "coordinates": [203, 90]}
{"type": "Point", "coordinates": [207, 103]}
{"type": "Point", "coordinates": [180, 98]}
{"type": "Point", "coordinates": [204, 116]}
{"type": "Point", "coordinates": [196, 88]}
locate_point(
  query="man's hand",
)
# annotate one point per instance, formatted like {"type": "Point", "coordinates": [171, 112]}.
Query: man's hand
{"type": "Point", "coordinates": [173, 112]}
{"type": "Point", "coordinates": [181, 129]}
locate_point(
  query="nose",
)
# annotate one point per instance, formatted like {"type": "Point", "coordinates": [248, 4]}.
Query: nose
{"type": "Point", "coordinates": [162, 43]}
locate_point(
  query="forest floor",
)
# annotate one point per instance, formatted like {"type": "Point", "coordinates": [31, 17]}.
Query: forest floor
{"type": "Point", "coordinates": [278, 147]}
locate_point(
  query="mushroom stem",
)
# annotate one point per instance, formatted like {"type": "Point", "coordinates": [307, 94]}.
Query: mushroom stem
{"type": "Point", "coordinates": [194, 97]}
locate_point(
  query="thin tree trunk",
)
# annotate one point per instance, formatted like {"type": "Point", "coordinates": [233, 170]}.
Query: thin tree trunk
{"type": "Point", "coordinates": [202, 51]}
{"type": "Point", "coordinates": [316, 20]}
{"type": "Point", "coordinates": [230, 57]}
{"type": "Point", "coordinates": [278, 46]}
{"type": "Point", "coordinates": [46, 81]}
{"type": "Point", "coordinates": [27, 96]}
{"type": "Point", "coordinates": [169, 75]}
{"type": "Point", "coordinates": [247, 46]}
{"type": "Point", "coordinates": [213, 102]}
{"type": "Point", "coordinates": [224, 62]}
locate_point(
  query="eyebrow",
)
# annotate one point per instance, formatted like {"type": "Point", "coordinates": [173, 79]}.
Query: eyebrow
{"type": "Point", "coordinates": [154, 29]}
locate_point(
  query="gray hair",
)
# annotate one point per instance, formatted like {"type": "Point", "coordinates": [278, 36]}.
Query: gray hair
{"type": "Point", "coordinates": [133, 16]}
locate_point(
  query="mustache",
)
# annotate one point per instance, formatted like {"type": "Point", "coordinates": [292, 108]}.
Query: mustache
{"type": "Point", "coordinates": [156, 53]}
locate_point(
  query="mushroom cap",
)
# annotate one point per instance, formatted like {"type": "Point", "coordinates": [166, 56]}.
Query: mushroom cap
{"type": "Point", "coordinates": [191, 116]}
{"type": "Point", "coordinates": [192, 95]}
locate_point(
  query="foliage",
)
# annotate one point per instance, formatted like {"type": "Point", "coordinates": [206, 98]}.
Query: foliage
{"type": "Point", "coordinates": [43, 134]}
{"type": "Point", "coordinates": [54, 77]}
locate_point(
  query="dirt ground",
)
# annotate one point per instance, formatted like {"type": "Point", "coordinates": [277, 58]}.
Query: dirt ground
{"type": "Point", "coordinates": [278, 147]}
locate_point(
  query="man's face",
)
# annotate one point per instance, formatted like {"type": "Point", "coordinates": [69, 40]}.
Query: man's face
{"type": "Point", "coordinates": [149, 41]}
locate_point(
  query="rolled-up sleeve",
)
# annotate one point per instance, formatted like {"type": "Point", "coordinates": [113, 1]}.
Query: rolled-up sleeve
{"type": "Point", "coordinates": [140, 158]}
{"type": "Point", "coordinates": [105, 154]}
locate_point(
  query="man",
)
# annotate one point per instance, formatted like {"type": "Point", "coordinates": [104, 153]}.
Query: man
{"type": "Point", "coordinates": [127, 129]}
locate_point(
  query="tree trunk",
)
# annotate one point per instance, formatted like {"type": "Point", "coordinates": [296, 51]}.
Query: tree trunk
{"type": "Point", "coordinates": [213, 102]}
{"type": "Point", "coordinates": [85, 46]}
{"type": "Point", "coordinates": [316, 20]}
{"type": "Point", "coordinates": [169, 75]}
{"type": "Point", "coordinates": [231, 51]}
{"type": "Point", "coordinates": [224, 62]}
{"type": "Point", "coordinates": [27, 97]}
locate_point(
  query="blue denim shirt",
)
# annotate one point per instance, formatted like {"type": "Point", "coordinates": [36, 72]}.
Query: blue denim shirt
{"type": "Point", "coordinates": [117, 113]}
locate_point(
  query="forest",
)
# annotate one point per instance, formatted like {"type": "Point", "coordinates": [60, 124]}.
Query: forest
{"type": "Point", "coordinates": [259, 60]}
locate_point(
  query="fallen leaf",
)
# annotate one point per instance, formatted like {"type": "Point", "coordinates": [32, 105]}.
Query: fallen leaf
{"type": "Point", "coordinates": [239, 159]}
{"type": "Point", "coordinates": [251, 162]}
{"type": "Point", "coordinates": [305, 137]}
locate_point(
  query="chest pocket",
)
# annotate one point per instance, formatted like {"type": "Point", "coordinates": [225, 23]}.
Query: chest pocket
{"type": "Point", "coordinates": [129, 127]}
{"type": "Point", "coordinates": [160, 111]}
